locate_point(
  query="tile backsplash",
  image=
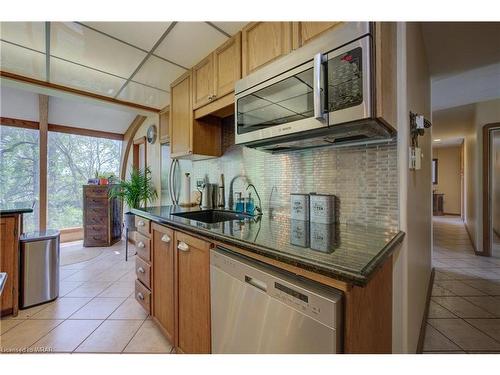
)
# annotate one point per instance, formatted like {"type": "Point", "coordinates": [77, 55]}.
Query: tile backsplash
{"type": "Point", "coordinates": [364, 178]}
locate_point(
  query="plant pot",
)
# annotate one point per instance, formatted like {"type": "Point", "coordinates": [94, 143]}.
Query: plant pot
{"type": "Point", "coordinates": [130, 221]}
{"type": "Point", "coordinates": [103, 181]}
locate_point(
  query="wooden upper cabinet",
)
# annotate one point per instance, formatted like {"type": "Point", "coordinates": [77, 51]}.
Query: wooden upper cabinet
{"type": "Point", "coordinates": [203, 82]}
{"type": "Point", "coordinates": [227, 66]}
{"type": "Point", "coordinates": [303, 32]}
{"type": "Point", "coordinates": [164, 121]}
{"type": "Point", "coordinates": [264, 42]}
{"type": "Point", "coordinates": [163, 285]}
{"type": "Point", "coordinates": [193, 280]}
{"type": "Point", "coordinates": [181, 116]}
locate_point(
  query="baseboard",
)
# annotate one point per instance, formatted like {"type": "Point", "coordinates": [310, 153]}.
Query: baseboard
{"type": "Point", "coordinates": [470, 239]}
{"type": "Point", "coordinates": [421, 337]}
{"type": "Point", "coordinates": [450, 214]}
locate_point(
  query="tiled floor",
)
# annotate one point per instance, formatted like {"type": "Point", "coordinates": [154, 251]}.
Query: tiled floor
{"type": "Point", "coordinates": [464, 311]}
{"type": "Point", "coordinates": [95, 313]}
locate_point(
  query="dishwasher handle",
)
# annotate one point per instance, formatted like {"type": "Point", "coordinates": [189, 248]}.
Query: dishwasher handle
{"type": "Point", "coordinates": [256, 283]}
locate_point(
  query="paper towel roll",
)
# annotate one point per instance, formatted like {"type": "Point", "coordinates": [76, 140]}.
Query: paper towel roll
{"type": "Point", "coordinates": [186, 189]}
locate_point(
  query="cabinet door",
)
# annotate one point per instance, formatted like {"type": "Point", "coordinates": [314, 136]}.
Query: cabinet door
{"type": "Point", "coordinates": [263, 42]}
{"type": "Point", "coordinates": [181, 116]}
{"type": "Point", "coordinates": [163, 287]}
{"type": "Point", "coordinates": [164, 128]}
{"type": "Point", "coordinates": [193, 280]}
{"type": "Point", "coordinates": [303, 32]}
{"type": "Point", "coordinates": [227, 66]}
{"type": "Point", "coordinates": [9, 249]}
{"type": "Point", "coordinates": [203, 86]}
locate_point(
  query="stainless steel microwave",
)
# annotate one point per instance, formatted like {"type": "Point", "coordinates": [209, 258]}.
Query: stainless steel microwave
{"type": "Point", "coordinates": [320, 94]}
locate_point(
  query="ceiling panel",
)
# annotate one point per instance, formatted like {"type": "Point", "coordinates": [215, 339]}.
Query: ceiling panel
{"type": "Point", "coordinates": [84, 46]}
{"type": "Point", "coordinates": [137, 93]}
{"type": "Point", "coordinates": [230, 27]}
{"type": "Point", "coordinates": [158, 73]}
{"type": "Point", "coordinates": [28, 34]}
{"type": "Point", "coordinates": [22, 61]}
{"type": "Point", "coordinates": [149, 33]}
{"type": "Point", "coordinates": [189, 42]}
{"type": "Point", "coordinates": [76, 76]}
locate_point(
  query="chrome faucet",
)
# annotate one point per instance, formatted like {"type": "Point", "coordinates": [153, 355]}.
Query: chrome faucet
{"type": "Point", "coordinates": [259, 207]}
{"type": "Point", "coordinates": [230, 200]}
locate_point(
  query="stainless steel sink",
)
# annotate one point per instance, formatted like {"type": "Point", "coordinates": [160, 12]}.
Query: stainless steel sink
{"type": "Point", "coordinates": [213, 216]}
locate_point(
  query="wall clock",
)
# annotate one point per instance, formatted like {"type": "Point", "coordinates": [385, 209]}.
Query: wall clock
{"type": "Point", "coordinates": [151, 134]}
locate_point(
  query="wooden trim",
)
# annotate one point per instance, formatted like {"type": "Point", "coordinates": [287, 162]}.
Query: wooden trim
{"type": "Point", "coordinates": [135, 152]}
{"type": "Point", "coordinates": [421, 337]}
{"type": "Point", "coordinates": [450, 214]}
{"type": "Point", "coordinates": [35, 125]}
{"type": "Point", "coordinates": [129, 138]}
{"type": "Point", "coordinates": [18, 123]}
{"type": "Point", "coordinates": [67, 89]}
{"type": "Point", "coordinates": [43, 108]}
{"type": "Point", "coordinates": [71, 234]}
{"type": "Point", "coordinates": [486, 187]}
{"type": "Point", "coordinates": [140, 141]}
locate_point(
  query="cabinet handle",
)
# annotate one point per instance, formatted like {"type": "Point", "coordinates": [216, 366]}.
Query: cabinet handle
{"type": "Point", "coordinates": [140, 296]}
{"type": "Point", "coordinates": [182, 246]}
{"type": "Point", "coordinates": [210, 97]}
{"type": "Point", "coordinates": [140, 223]}
{"type": "Point", "coordinates": [140, 245]}
{"type": "Point", "coordinates": [213, 97]}
{"type": "Point", "coordinates": [165, 238]}
{"type": "Point", "coordinates": [140, 269]}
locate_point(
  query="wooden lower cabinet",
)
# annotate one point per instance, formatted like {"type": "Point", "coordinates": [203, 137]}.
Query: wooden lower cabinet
{"type": "Point", "coordinates": [163, 285]}
{"type": "Point", "coordinates": [193, 294]}
{"type": "Point", "coordinates": [10, 227]}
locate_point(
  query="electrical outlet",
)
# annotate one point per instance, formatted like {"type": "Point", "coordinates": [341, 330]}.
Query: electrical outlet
{"type": "Point", "coordinates": [415, 159]}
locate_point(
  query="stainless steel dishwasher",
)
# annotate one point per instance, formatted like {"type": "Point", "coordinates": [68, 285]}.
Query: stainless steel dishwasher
{"type": "Point", "coordinates": [258, 309]}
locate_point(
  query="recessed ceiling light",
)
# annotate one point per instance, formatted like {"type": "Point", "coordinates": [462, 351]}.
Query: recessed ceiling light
{"type": "Point", "coordinates": [437, 140]}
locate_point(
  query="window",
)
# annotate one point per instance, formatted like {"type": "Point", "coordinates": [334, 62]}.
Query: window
{"type": "Point", "coordinates": [72, 160]}
{"type": "Point", "coordinates": [20, 171]}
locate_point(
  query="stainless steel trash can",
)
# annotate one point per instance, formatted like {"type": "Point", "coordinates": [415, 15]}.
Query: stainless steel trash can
{"type": "Point", "coordinates": [39, 267]}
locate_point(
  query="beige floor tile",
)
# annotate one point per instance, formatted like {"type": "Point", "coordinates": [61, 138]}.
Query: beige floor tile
{"type": "Point", "coordinates": [5, 325]}
{"type": "Point", "coordinates": [438, 311]}
{"type": "Point", "coordinates": [119, 289]}
{"type": "Point", "coordinates": [111, 275]}
{"type": "Point", "coordinates": [29, 312]}
{"type": "Point", "coordinates": [62, 308]}
{"type": "Point", "coordinates": [26, 334]}
{"type": "Point", "coordinates": [98, 308]}
{"type": "Point", "coordinates": [148, 339]}
{"type": "Point", "coordinates": [459, 288]}
{"type": "Point", "coordinates": [490, 304]}
{"type": "Point", "coordinates": [129, 276]}
{"type": "Point", "coordinates": [438, 290]}
{"type": "Point", "coordinates": [462, 308]}
{"type": "Point", "coordinates": [68, 335]}
{"type": "Point", "coordinates": [464, 335]}
{"type": "Point", "coordinates": [89, 289]}
{"type": "Point", "coordinates": [490, 287]}
{"type": "Point", "coordinates": [112, 336]}
{"type": "Point", "coordinates": [84, 275]}
{"type": "Point", "coordinates": [489, 326]}
{"type": "Point", "coordinates": [67, 286]}
{"type": "Point", "coordinates": [130, 309]}
{"type": "Point", "coordinates": [64, 273]}
{"type": "Point", "coordinates": [435, 341]}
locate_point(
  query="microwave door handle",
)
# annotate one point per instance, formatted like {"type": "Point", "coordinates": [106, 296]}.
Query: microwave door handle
{"type": "Point", "coordinates": [318, 89]}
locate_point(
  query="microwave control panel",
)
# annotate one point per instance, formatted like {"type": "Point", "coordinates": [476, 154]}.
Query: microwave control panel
{"type": "Point", "coordinates": [345, 80]}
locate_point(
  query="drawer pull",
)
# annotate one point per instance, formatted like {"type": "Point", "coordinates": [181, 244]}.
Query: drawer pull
{"type": "Point", "coordinates": [140, 223]}
{"type": "Point", "coordinates": [165, 238]}
{"type": "Point", "coordinates": [140, 269]}
{"type": "Point", "coordinates": [182, 246]}
{"type": "Point", "coordinates": [140, 296]}
{"type": "Point", "coordinates": [140, 245]}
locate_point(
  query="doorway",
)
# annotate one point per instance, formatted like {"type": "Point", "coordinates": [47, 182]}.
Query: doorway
{"type": "Point", "coordinates": [491, 190]}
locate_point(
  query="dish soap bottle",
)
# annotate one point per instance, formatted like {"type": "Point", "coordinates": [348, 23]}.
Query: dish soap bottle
{"type": "Point", "coordinates": [239, 205]}
{"type": "Point", "coordinates": [250, 205]}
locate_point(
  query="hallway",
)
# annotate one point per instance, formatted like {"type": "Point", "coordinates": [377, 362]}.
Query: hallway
{"type": "Point", "coordinates": [464, 311]}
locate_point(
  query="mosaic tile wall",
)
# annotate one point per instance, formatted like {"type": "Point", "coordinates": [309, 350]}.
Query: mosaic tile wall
{"type": "Point", "coordinates": [364, 178]}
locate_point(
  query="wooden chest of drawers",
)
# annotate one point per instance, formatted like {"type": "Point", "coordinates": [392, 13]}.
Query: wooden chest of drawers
{"type": "Point", "coordinates": [102, 217]}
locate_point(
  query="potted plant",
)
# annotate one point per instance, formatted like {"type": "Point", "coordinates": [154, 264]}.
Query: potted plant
{"type": "Point", "coordinates": [137, 191]}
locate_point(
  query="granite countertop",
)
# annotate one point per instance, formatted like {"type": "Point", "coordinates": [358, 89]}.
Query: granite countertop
{"type": "Point", "coordinates": [13, 209]}
{"type": "Point", "coordinates": [349, 253]}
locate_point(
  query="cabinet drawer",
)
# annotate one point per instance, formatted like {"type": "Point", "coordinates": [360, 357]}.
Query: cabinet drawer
{"type": "Point", "coordinates": [97, 191]}
{"type": "Point", "coordinates": [143, 296]}
{"type": "Point", "coordinates": [143, 225]}
{"type": "Point", "coordinates": [97, 202]}
{"type": "Point", "coordinates": [95, 235]}
{"type": "Point", "coordinates": [143, 272]}
{"type": "Point", "coordinates": [96, 220]}
{"type": "Point", "coordinates": [143, 247]}
{"type": "Point", "coordinates": [97, 211]}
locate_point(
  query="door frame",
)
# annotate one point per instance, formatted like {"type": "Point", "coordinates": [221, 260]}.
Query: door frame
{"type": "Point", "coordinates": [136, 150]}
{"type": "Point", "coordinates": [487, 130]}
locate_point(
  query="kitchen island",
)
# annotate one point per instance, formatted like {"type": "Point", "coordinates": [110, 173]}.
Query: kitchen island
{"type": "Point", "coordinates": [356, 260]}
{"type": "Point", "coordinates": [11, 224]}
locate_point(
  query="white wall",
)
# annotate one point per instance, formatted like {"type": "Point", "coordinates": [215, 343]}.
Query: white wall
{"type": "Point", "coordinates": [19, 104]}
{"type": "Point", "coordinates": [449, 180]}
{"type": "Point", "coordinates": [412, 262]}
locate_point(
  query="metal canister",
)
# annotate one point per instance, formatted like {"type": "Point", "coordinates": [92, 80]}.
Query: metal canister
{"type": "Point", "coordinates": [322, 208]}
{"type": "Point", "coordinates": [299, 204]}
